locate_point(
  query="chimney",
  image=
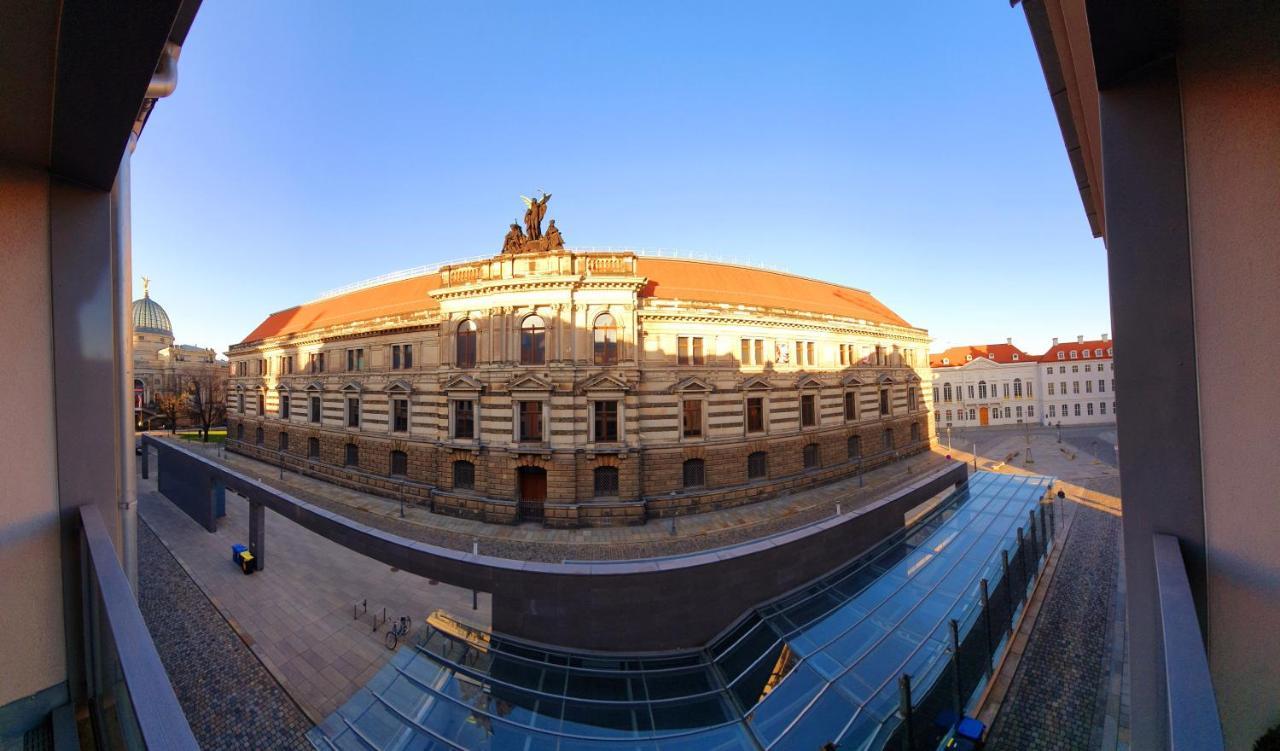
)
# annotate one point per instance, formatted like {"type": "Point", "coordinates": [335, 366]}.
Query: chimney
{"type": "Point", "coordinates": [1008, 340]}
{"type": "Point", "coordinates": [1080, 339]}
{"type": "Point", "coordinates": [1104, 337]}
{"type": "Point", "coordinates": [1055, 341]}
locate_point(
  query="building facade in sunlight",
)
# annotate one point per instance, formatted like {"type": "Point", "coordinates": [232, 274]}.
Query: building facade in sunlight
{"type": "Point", "coordinates": [583, 388]}
{"type": "Point", "coordinates": [998, 384]}
{"type": "Point", "coordinates": [161, 366]}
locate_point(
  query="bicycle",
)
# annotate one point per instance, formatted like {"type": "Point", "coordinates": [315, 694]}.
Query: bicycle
{"type": "Point", "coordinates": [398, 630]}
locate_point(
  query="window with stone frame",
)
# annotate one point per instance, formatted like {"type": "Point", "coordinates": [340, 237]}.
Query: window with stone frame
{"type": "Point", "coordinates": [466, 344]}
{"type": "Point", "coordinates": [315, 409]}
{"type": "Point", "coordinates": [399, 463]}
{"type": "Point", "coordinates": [689, 350]}
{"type": "Point", "coordinates": [464, 475]}
{"type": "Point", "coordinates": [982, 389]}
{"type": "Point", "coordinates": [315, 362]}
{"type": "Point", "coordinates": [313, 448]}
{"type": "Point", "coordinates": [851, 406]}
{"type": "Point", "coordinates": [605, 340]}
{"type": "Point", "coordinates": [606, 482]}
{"type": "Point", "coordinates": [400, 415]}
{"type": "Point", "coordinates": [694, 473]}
{"type": "Point", "coordinates": [355, 359]}
{"type": "Point", "coordinates": [352, 455]}
{"type": "Point", "coordinates": [884, 401]}
{"type": "Point", "coordinates": [605, 421]}
{"type": "Point", "coordinates": [284, 406]}
{"type": "Point", "coordinates": [241, 402]}
{"type": "Point", "coordinates": [464, 418]}
{"type": "Point", "coordinates": [262, 404]}
{"type": "Point", "coordinates": [808, 410]}
{"type": "Point", "coordinates": [757, 465]}
{"type": "Point", "coordinates": [282, 441]}
{"type": "Point", "coordinates": [755, 414]}
{"type": "Point", "coordinates": [912, 399]}
{"type": "Point", "coordinates": [533, 341]}
{"type": "Point", "coordinates": [353, 412]}
{"type": "Point", "coordinates": [530, 421]}
{"type": "Point", "coordinates": [691, 418]}
{"type": "Point", "coordinates": [401, 356]}
{"type": "Point", "coordinates": [812, 456]}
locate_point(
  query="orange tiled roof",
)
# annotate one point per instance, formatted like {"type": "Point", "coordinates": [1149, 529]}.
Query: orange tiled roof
{"type": "Point", "coordinates": [1092, 345]}
{"type": "Point", "coordinates": [669, 279]}
{"type": "Point", "coordinates": [678, 279]}
{"type": "Point", "coordinates": [1000, 353]}
{"type": "Point", "coordinates": [394, 298]}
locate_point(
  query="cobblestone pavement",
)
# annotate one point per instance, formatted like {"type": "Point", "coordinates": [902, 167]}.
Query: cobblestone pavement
{"type": "Point", "coordinates": [230, 699]}
{"type": "Point", "coordinates": [1059, 695]}
{"type": "Point", "coordinates": [533, 542]}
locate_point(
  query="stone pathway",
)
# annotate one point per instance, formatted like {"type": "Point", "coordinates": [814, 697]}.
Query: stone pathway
{"type": "Point", "coordinates": [296, 616]}
{"type": "Point", "coordinates": [230, 699]}
{"type": "Point", "coordinates": [534, 542]}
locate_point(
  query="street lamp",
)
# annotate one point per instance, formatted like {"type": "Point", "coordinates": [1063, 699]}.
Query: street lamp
{"type": "Point", "coordinates": [948, 439]}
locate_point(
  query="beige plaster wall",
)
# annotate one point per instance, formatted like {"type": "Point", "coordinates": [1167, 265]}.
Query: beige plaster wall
{"type": "Point", "coordinates": [1230, 79]}
{"type": "Point", "coordinates": [31, 654]}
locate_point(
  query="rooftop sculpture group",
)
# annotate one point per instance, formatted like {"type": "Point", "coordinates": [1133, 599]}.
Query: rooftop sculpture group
{"type": "Point", "coordinates": [531, 239]}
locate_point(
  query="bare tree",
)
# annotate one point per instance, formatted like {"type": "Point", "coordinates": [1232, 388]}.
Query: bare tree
{"type": "Point", "coordinates": [208, 399]}
{"type": "Point", "coordinates": [171, 404]}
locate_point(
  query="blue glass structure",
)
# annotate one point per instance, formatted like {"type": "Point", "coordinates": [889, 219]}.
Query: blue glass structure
{"type": "Point", "coordinates": [820, 664]}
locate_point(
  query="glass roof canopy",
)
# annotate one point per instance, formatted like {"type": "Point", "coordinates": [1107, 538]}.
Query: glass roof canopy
{"type": "Point", "coordinates": [820, 664]}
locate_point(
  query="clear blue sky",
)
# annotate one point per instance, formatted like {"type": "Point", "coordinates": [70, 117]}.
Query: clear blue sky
{"type": "Point", "coordinates": [909, 149]}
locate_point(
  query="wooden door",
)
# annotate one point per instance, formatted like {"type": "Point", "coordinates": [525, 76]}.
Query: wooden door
{"type": "Point", "coordinates": [982, 416]}
{"type": "Point", "coordinates": [533, 492]}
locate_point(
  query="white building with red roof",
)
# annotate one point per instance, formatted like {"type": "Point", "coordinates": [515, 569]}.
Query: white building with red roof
{"type": "Point", "coordinates": [1000, 384]}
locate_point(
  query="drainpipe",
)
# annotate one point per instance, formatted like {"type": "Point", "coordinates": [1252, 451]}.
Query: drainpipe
{"type": "Point", "coordinates": [163, 83]}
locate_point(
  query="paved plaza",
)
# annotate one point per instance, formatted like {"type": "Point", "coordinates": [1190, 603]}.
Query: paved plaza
{"type": "Point", "coordinates": [296, 616]}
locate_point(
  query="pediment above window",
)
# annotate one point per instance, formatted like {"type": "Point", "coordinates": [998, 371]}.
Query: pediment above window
{"type": "Point", "coordinates": [399, 386]}
{"type": "Point", "coordinates": [352, 387]}
{"type": "Point", "coordinates": [530, 383]}
{"type": "Point", "coordinates": [885, 379]}
{"type": "Point", "coordinates": [852, 379]}
{"type": "Point", "coordinates": [315, 386]}
{"type": "Point", "coordinates": [806, 381]}
{"type": "Point", "coordinates": [913, 377]}
{"type": "Point", "coordinates": [692, 385]}
{"type": "Point", "coordinates": [603, 382]}
{"type": "Point", "coordinates": [463, 383]}
{"type": "Point", "coordinates": [756, 383]}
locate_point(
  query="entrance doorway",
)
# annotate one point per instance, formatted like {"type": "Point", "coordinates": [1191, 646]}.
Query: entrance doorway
{"type": "Point", "coordinates": [532, 488]}
{"type": "Point", "coordinates": [983, 416]}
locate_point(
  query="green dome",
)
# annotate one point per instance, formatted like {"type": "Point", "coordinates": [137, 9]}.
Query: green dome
{"type": "Point", "coordinates": [150, 318]}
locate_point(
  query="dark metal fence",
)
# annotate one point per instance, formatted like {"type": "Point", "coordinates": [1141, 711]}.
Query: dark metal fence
{"type": "Point", "coordinates": [942, 692]}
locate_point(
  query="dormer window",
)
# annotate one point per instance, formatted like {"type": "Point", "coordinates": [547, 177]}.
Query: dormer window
{"type": "Point", "coordinates": [946, 361]}
{"type": "Point", "coordinates": [1015, 355]}
{"type": "Point", "coordinates": [968, 358]}
{"type": "Point", "coordinates": [1062, 355]}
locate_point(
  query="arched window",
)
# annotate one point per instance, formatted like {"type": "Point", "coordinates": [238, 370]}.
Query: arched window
{"type": "Point", "coordinates": [854, 446]}
{"type": "Point", "coordinates": [606, 482]}
{"type": "Point", "coordinates": [757, 465]}
{"type": "Point", "coordinates": [695, 473]}
{"type": "Point", "coordinates": [982, 389]}
{"type": "Point", "coordinates": [464, 475]}
{"type": "Point", "coordinates": [606, 340]}
{"type": "Point", "coordinates": [946, 392]}
{"type": "Point", "coordinates": [533, 336]}
{"type": "Point", "coordinates": [811, 456]}
{"type": "Point", "coordinates": [399, 463]}
{"type": "Point", "coordinates": [352, 458]}
{"type": "Point", "coordinates": [1017, 387]}
{"type": "Point", "coordinates": [467, 344]}
{"type": "Point", "coordinates": [257, 436]}
{"type": "Point", "coordinates": [313, 448]}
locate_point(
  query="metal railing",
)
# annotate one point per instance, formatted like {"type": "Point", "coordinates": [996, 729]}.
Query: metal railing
{"type": "Point", "coordinates": [131, 699]}
{"type": "Point", "coordinates": [1192, 709]}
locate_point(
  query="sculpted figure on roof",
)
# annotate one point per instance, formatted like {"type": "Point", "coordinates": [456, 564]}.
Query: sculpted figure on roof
{"type": "Point", "coordinates": [514, 241]}
{"type": "Point", "coordinates": [535, 210]}
{"type": "Point", "coordinates": [555, 241]}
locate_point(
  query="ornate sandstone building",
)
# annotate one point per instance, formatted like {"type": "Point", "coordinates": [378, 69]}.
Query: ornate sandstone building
{"type": "Point", "coordinates": [582, 388]}
{"type": "Point", "coordinates": [161, 366]}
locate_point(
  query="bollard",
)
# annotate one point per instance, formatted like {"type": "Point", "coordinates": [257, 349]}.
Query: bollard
{"type": "Point", "coordinates": [837, 508]}
{"type": "Point", "coordinates": [475, 546]}
{"type": "Point", "coordinates": [904, 710]}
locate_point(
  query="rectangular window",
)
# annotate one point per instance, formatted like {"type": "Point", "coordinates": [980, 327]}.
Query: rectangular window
{"type": "Point", "coordinates": [606, 421]}
{"type": "Point", "coordinates": [401, 356]}
{"type": "Point", "coordinates": [1017, 411]}
{"type": "Point", "coordinates": [1053, 411]}
{"type": "Point", "coordinates": [884, 401]}
{"type": "Point", "coordinates": [850, 406]}
{"type": "Point", "coordinates": [755, 414]}
{"type": "Point", "coordinates": [1050, 388]}
{"type": "Point", "coordinates": [1088, 387]}
{"type": "Point", "coordinates": [1062, 385]}
{"type": "Point", "coordinates": [1089, 408]}
{"type": "Point", "coordinates": [692, 419]}
{"type": "Point", "coordinates": [809, 358]}
{"type": "Point", "coordinates": [284, 406]}
{"type": "Point", "coordinates": [315, 362]}
{"type": "Point", "coordinates": [353, 413]}
{"type": "Point", "coordinates": [1075, 387]}
{"type": "Point", "coordinates": [400, 415]}
{"type": "Point", "coordinates": [746, 352]}
{"type": "Point", "coordinates": [395, 357]}
{"type": "Point", "coordinates": [759, 352]}
{"type": "Point", "coordinates": [315, 409]}
{"type": "Point", "coordinates": [531, 421]}
{"type": "Point", "coordinates": [808, 410]}
{"type": "Point", "coordinates": [355, 359]}
{"type": "Point", "coordinates": [971, 391]}
{"type": "Point", "coordinates": [605, 482]}
{"type": "Point", "coordinates": [757, 465]}
{"type": "Point", "coordinates": [1102, 386]}
{"type": "Point", "coordinates": [464, 418]}
{"type": "Point", "coordinates": [689, 350]}
{"type": "Point", "coordinates": [1077, 410]}
{"type": "Point", "coordinates": [1102, 408]}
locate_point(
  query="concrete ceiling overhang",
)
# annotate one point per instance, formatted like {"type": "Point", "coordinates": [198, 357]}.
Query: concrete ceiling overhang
{"type": "Point", "coordinates": [74, 76]}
